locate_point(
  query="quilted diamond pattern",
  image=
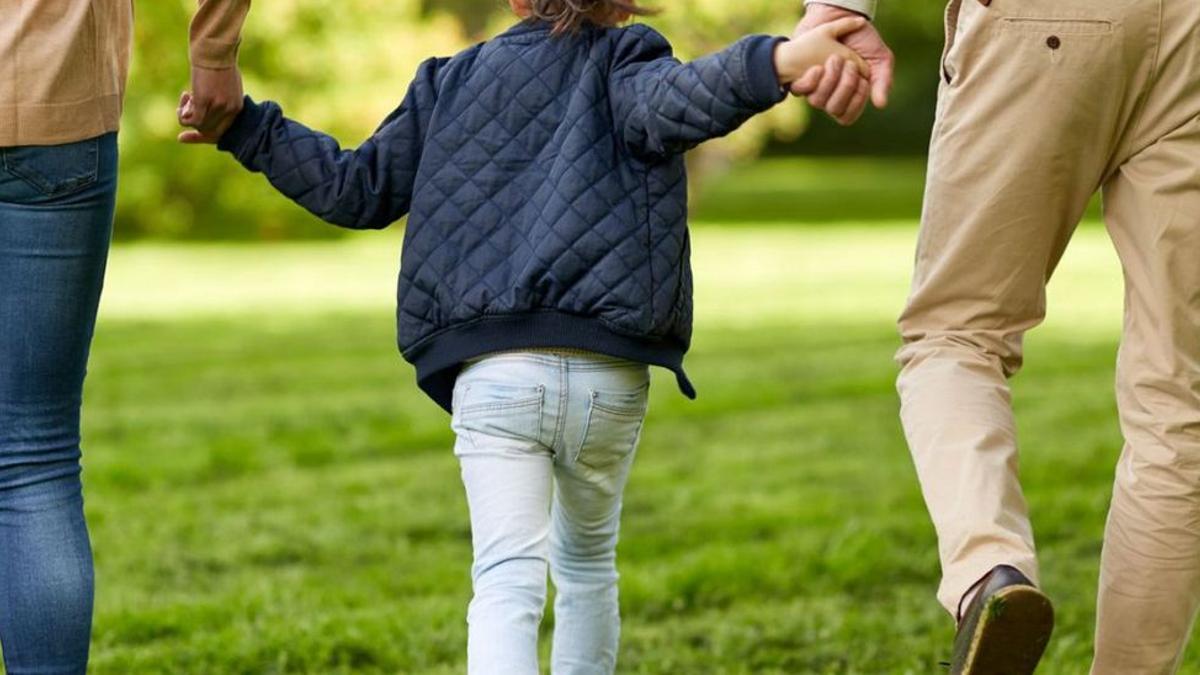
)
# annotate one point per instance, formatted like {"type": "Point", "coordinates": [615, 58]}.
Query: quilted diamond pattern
{"type": "Point", "coordinates": [540, 174]}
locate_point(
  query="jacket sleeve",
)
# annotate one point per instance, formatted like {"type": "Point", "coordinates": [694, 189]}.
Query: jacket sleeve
{"type": "Point", "coordinates": [865, 7]}
{"type": "Point", "coordinates": [217, 32]}
{"type": "Point", "coordinates": [663, 107]}
{"type": "Point", "coordinates": [370, 187]}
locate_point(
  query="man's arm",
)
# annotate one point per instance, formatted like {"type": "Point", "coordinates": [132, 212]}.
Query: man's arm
{"type": "Point", "coordinates": [841, 91]}
{"type": "Point", "coordinates": [216, 83]}
{"type": "Point", "coordinates": [864, 7]}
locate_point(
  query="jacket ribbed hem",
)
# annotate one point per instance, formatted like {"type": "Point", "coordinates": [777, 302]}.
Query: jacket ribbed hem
{"type": "Point", "coordinates": [439, 359]}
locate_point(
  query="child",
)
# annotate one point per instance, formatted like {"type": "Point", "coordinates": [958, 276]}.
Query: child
{"type": "Point", "coordinates": [545, 267]}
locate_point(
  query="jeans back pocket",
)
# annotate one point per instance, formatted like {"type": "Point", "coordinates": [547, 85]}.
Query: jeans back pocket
{"type": "Point", "coordinates": [498, 413]}
{"type": "Point", "coordinates": [613, 427]}
{"type": "Point", "coordinates": [54, 170]}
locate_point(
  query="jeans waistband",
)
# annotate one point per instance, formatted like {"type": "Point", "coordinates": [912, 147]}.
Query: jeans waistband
{"type": "Point", "coordinates": [577, 358]}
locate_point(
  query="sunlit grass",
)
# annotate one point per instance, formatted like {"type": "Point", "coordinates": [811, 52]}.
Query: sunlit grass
{"type": "Point", "coordinates": [744, 275]}
{"type": "Point", "coordinates": [270, 493]}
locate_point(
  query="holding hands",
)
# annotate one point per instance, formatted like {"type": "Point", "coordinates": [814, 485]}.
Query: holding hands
{"type": "Point", "coordinates": [212, 105]}
{"type": "Point", "coordinates": [836, 58]}
{"type": "Point", "coordinates": [840, 86]}
{"type": "Point", "coordinates": [806, 57]}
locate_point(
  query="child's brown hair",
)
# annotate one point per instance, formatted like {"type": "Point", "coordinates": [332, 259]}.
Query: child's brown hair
{"type": "Point", "coordinates": [569, 15]}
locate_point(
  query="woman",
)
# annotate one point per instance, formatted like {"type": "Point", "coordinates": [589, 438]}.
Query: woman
{"type": "Point", "coordinates": [63, 65]}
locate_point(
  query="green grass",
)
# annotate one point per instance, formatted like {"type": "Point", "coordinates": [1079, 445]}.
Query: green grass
{"type": "Point", "coordinates": [269, 493]}
{"type": "Point", "coordinates": [815, 190]}
{"type": "Point", "coordinates": [818, 190]}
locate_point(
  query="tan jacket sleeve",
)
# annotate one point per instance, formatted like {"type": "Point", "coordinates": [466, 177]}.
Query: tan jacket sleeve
{"type": "Point", "coordinates": [864, 7]}
{"type": "Point", "coordinates": [217, 33]}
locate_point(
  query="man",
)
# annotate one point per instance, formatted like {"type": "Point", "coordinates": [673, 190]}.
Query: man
{"type": "Point", "coordinates": [63, 66]}
{"type": "Point", "coordinates": [1043, 102]}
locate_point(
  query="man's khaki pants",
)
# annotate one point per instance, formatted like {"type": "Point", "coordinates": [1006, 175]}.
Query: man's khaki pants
{"type": "Point", "coordinates": [1043, 102]}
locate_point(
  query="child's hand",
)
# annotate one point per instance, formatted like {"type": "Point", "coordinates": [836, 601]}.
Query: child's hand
{"type": "Point", "coordinates": [188, 116]}
{"type": "Point", "coordinates": [797, 58]}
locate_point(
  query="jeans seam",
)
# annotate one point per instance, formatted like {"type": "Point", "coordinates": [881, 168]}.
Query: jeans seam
{"type": "Point", "coordinates": [502, 406]}
{"type": "Point", "coordinates": [587, 428]}
{"type": "Point", "coordinates": [615, 411]}
{"type": "Point", "coordinates": [563, 398]}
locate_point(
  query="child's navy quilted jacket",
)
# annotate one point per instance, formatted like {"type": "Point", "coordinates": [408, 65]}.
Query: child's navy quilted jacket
{"type": "Point", "coordinates": [544, 181]}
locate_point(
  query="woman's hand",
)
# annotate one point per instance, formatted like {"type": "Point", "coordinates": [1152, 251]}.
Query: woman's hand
{"type": "Point", "coordinates": [212, 105]}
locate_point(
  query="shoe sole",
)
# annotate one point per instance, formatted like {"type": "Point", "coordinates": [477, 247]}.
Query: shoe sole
{"type": "Point", "coordinates": [1012, 634]}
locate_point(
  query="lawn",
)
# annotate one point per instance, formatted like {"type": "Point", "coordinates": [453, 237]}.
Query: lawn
{"type": "Point", "coordinates": [269, 493]}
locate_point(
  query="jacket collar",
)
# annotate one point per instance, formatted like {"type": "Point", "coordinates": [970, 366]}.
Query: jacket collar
{"type": "Point", "coordinates": [526, 26]}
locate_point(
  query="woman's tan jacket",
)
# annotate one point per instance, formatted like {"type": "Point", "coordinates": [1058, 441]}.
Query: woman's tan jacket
{"type": "Point", "coordinates": [63, 63]}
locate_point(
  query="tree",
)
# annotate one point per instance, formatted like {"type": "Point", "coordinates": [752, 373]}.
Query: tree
{"type": "Point", "coordinates": [342, 65]}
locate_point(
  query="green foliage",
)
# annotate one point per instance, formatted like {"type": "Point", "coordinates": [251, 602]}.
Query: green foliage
{"type": "Point", "coordinates": [915, 30]}
{"type": "Point", "coordinates": [342, 65]}
{"type": "Point", "coordinates": [803, 190]}
{"type": "Point", "coordinates": [793, 191]}
{"type": "Point", "coordinates": [339, 66]}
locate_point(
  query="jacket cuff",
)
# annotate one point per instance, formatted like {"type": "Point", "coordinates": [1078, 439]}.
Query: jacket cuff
{"type": "Point", "coordinates": [214, 54]}
{"type": "Point", "coordinates": [244, 126]}
{"type": "Point", "coordinates": [865, 7]}
{"type": "Point", "coordinates": [762, 79]}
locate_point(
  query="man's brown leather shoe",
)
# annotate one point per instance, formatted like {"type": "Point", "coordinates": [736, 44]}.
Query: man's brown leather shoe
{"type": "Point", "coordinates": [1006, 627]}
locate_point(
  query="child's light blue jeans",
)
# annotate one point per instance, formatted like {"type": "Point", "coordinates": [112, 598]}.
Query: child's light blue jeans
{"type": "Point", "coordinates": [546, 441]}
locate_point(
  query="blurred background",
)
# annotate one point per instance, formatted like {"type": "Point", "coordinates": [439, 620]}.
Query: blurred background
{"type": "Point", "coordinates": [342, 67]}
{"type": "Point", "coordinates": [269, 492]}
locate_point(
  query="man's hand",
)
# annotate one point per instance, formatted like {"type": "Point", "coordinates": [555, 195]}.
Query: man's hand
{"type": "Point", "coordinates": [798, 56]}
{"type": "Point", "coordinates": [838, 88]}
{"type": "Point", "coordinates": [212, 105]}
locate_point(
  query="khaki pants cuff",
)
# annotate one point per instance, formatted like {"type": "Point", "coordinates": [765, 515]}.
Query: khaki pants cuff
{"type": "Point", "coordinates": [963, 576]}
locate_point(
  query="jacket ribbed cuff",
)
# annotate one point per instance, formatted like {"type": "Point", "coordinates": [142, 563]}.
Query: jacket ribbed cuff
{"type": "Point", "coordinates": [244, 126]}
{"type": "Point", "coordinates": [762, 78]}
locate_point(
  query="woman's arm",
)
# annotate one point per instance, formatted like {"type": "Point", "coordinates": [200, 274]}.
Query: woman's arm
{"type": "Point", "coordinates": [216, 83]}
{"type": "Point", "coordinates": [217, 32]}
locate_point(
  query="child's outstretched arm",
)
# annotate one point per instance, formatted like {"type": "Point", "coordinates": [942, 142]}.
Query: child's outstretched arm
{"type": "Point", "coordinates": [368, 187]}
{"type": "Point", "coordinates": [663, 107]}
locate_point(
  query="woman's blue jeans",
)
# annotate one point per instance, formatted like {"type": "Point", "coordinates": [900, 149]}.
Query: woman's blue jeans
{"type": "Point", "coordinates": [56, 211]}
